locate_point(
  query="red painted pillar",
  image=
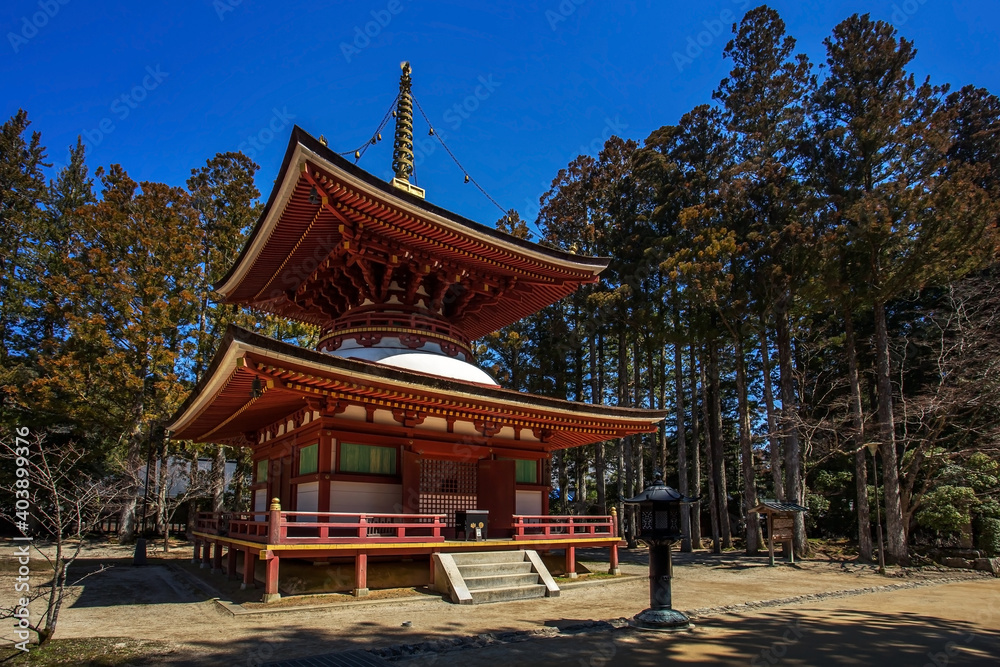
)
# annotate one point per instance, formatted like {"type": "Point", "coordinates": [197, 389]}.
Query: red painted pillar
{"type": "Point", "coordinates": [231, 563]}
{"type": "Point", "coordinates": [571, 562]}
{"type": "Point", "coordinates": [614, 569]}
{"type": "Point", "coordinates": [271, 578]}
{"type": "Point", "coordinates": [196, 554]}
{"type": "Point", "coordinates": [217, 557]}
{"type": "Point", "coordinates": [431, 582]}
{"type": "Point", "coordinates": [248, 569]}
{"type": "Point", "coordinates": [361, 575]}
{"type": "Point", "coordinates": [206, 558]}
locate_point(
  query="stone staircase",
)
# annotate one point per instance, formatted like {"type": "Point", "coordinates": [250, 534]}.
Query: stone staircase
{"type": "Point", "coordinates": [492, 576]}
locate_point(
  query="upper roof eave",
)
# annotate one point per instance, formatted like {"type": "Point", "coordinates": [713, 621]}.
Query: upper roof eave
{"type": "Point", "coordinates": [335, 162]}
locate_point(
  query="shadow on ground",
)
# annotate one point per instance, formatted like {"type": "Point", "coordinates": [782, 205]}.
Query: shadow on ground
{"type": "Point", "coordinates": [801, 637]}
{"type": "Point", "coordinates": [125, 584]}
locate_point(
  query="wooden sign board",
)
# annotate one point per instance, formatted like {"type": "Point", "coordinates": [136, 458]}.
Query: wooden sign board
{"type": "Point", "coordinates": [781, 527]}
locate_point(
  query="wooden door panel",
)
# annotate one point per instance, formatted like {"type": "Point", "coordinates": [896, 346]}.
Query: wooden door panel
{"type": "Point", "coordinates": [495, 493]}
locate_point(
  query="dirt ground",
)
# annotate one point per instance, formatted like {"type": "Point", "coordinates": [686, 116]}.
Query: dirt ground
{"type": "Point", "coordinates": [168, 602]}
{"type": "Point", "coordinates": [934, 626]}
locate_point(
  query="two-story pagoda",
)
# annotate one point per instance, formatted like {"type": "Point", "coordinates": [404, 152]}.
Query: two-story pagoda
{"type": "Point", "coordinates": [371, 443]}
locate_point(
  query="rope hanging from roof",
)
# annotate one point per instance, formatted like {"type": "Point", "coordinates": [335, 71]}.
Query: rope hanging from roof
{"type": "Point", "coordinates": [402, 155]}
{"type": "Point", "coordinates": [376, 136]}
{"type": "Point", "coordinates": [468, 178]}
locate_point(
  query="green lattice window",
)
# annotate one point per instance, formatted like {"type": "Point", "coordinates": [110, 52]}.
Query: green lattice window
{"type": "Point", "coordinates": [525, 472]}
{"type": "Point", "coordinates": [262, 470]}
{"type": "Point", "coordinates": [367, 459]}
{"type": "Point", "coordinates": [309, 459]}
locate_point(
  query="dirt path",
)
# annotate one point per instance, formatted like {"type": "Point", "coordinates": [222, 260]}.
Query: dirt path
{"type": "Point", "coordinates": [948, 624]}
{"type": "Point", "coordinates": [161, 602]}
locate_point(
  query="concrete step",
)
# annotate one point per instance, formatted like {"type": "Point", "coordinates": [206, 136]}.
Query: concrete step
{"type": "Point", "coordinates": [506, 594]}
{"type": "Point", "coordinates": [501, 581]}
{"type": "Point", "coordinates": [484, 569]}
{"type": "Point", "coordinates": [481, 557]}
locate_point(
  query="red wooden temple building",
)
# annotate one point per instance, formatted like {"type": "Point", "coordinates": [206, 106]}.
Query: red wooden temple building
{"type": "Point", "coordinates": [368, 445]}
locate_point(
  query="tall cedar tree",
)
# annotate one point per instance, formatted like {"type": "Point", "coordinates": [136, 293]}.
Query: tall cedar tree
{"type": "Point", "coordinates": [763, 98]}
{"type": "Point", "coordinates": [912, 218]}
{"type": "Point", "coordinates": [22, 193]}
{"type": "Point", "coordinates": [127, 293]}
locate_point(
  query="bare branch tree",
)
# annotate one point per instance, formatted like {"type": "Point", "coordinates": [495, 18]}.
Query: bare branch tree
{"type": "Point", "coordinates": [66, 502]}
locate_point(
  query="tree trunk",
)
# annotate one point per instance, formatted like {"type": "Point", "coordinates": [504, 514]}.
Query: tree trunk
{"type": "Point", "coordinates": [563, 478]}
{"type": "Point", "coordinates": [773, 440]}
{"type": "Point", "coordinates": [713, 504]}
{"type": "Point", "coordinates": [244, 461]}
{"type": "Point", "coordinates": [218, 478]}
{"type": "Point", "coordinates": [682, 464]}
{"type": "Point", "coordinates": [626, 461]}
{"type": "Point", "coordinates": [162, 481]}
{"type": "Point", "coordinates": [718, 454]}
{"type": "Point", "coordinates": [127, 515]}
{"type": "Point", "coordinates": [637, 450]}
{"type": "Point", "coordinates": [658, 386]}
{"type": "Point", "coordinates": [192, 503]}
{"type": "Point", "coordinates": [793, 452]}
{"type": "Point", "coordinates": [580, 463]}
{"type": "Point", "coordinates": [752, 532]}
{"type": "Point", "coordinates": [896, 548]}
{"type": "Point", "coordinates": [858, 419]}
{"type": "Point", "coordinates": [695, 452]}
{"type": "Point", "coordinates": [600, 465]}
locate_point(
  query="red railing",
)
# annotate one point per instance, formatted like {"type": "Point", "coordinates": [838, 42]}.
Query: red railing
{"type": "Point", "coordinates": [324, 527]}
{"type": "Point", "coordinates": [541, 527]}
{"type": "Point", "coordinates": [346, 527]}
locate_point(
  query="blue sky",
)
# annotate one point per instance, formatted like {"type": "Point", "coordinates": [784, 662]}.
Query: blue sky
{"type": "Point", "coordinates": [517, 90]}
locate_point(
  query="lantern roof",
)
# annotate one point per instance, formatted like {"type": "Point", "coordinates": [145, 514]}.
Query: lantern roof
{"type": "Point", "coordinates": [658, 492]}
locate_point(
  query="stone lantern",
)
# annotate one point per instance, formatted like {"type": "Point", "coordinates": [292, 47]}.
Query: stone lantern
{"type": "Point", "coordinates": [659, 527]}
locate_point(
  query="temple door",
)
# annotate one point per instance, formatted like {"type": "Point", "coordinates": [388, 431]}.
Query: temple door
{"type": "Point", "coordinates": [285, 492]}
{"type": "Point", "coordinates": [495, 492]}
{"type": "Point", "coordinates": [411, 482]}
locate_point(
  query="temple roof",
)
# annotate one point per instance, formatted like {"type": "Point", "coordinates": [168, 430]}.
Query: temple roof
{"type": "Point", "coordinates": [333, 237]}
{"type": "Point", "coordinates": [221, 409]}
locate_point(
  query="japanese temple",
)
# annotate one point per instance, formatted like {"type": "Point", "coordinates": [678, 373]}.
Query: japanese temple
{"type": "Point", "coordinates": [373, 443]}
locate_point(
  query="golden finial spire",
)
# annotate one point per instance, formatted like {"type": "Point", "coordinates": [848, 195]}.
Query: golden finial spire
{"type": "Point", "coordinates": [402, 149]}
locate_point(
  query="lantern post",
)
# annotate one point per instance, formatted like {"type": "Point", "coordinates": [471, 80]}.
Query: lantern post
{"type": "Point", "coordinates": [659, 527]}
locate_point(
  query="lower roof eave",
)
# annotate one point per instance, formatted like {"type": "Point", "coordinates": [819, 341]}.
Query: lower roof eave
{"type": "Point", "coordinates": [221, 405]}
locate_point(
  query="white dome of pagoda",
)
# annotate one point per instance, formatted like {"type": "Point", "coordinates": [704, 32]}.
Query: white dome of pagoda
{"type": "Point", "coordinates": [424, 360]}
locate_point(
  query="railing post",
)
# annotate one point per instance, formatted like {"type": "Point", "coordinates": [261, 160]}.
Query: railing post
{"type": "Point", "coordinates": [613, 557]}
{"type": "Point", "coordinates": [361, 574]}
{"type": "Point", "coordinates": [271, 568]}
{"type": "Point", "coordinates": [362, 527]}
{"type": "Point", "coordinates": [571, 562]}
{"type": "Point", "coordinates": [614, 522]}
{"type": "Point", "coordinates": [274, 522]}
{"type": "Point", "coordinates": [569, 529]}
